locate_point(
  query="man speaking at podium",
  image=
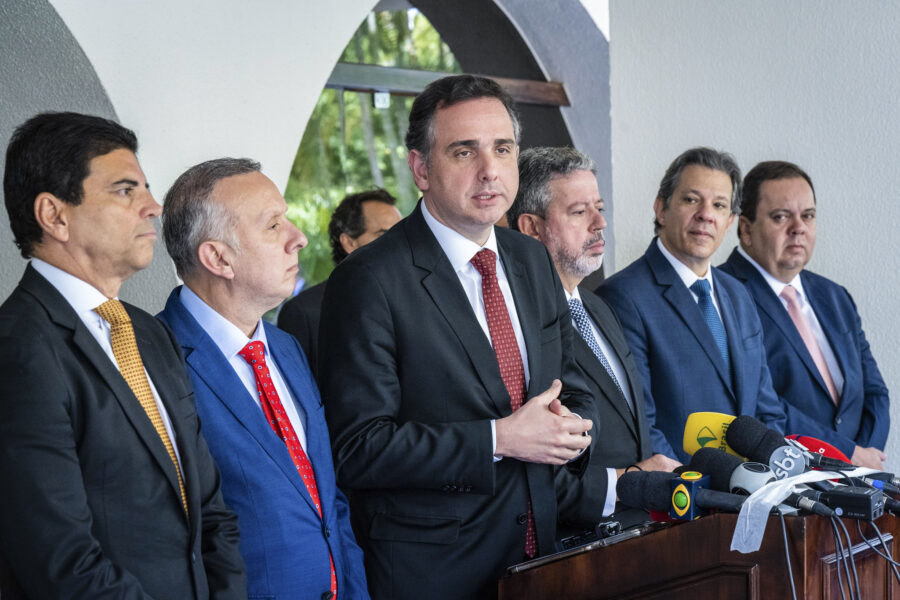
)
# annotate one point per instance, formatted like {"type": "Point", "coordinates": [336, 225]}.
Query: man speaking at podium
{"type": "Point", "coordinates": [693, 330]}
{"type": "Point", "coordinates": [442, 347]}
{"type": "Point", "coordinates": [559, 204]}
{"type": "Point", "coordinates": [818, 355]}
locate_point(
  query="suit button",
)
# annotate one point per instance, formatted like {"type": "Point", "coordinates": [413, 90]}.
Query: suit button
{"type": "Point", "coordinates": [522, 519]}
{"type": "Point", "coordinates": [193, 557]}
{"type": "Point", "coordinates": [838, 421]}
{"type": "Point", "coordinates": [327, 596]}
{"type": "Point", "coordinates": [327, 533]}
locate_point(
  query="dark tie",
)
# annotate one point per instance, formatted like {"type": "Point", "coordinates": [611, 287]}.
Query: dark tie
{"type": "Point", "coordinates": [128, 357]}
{"type": "Point", "coordinates": [708, 310]}
{"type": "Point", "coordinates": [582, 323]}
{"type": "Point", "coordinates": [255, 355]}
{"type": "Point", "coordinates": [503, 338]}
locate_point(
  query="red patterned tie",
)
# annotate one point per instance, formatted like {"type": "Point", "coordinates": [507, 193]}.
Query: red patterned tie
{"type": "Point", "coordinates": [255, 355]}
{"type": "Point", "coordinates": [503, 338]}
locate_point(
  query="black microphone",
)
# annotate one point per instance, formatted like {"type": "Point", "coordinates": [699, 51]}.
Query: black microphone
{"type": "Point", "coordinates": [654, 490]}
{"type": "Point", "coordinates": [729, 473]}
{"type": "Point", "coordinates": [752, 439]}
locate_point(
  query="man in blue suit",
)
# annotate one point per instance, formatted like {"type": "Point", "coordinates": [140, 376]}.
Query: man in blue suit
{"type": "Point", "coordinates": [225, 227]}
{"type": "Point", "coordinates": [693, 331]}
{"type": "Point", "coordinates": [818, 355]}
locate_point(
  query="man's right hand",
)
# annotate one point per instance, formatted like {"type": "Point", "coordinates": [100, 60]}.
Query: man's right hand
{"type": "Point", "coordinates": [536, 433]}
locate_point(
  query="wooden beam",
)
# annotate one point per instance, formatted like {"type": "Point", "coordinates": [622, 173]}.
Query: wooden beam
{"type": "Point", "coordinates": [410, 82]}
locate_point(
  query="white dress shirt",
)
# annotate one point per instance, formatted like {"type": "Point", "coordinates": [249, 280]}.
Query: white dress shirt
{"type": "Point", "coordinates": [460, 250]}
{"type": "Point", "coordinates": [806, 308]}
{"type": "Point", "coordinates": [231, 340]}
{"type": "Point", "coordinates": [689, 277]}
{"type": "Point", "coordinates": [84, 298]}
{"type": "Point", "coordinates": [609, 505]}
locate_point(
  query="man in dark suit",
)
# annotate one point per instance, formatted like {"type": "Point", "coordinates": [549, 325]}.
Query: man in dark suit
{"type": "Point", "coordinates": [693, 330]}
{"type": "Point", "coordinates": [559, 204]}
{"type": "Point", "coordinates": [358, 220]}
{"type": "Point", "coordinates": [261, 412]}
{"type": "Point", "coordinates": [818, 355]}
{"type": "Point", "coordinates": [432, 339]}
{"type": "Point", "coordinates": [109, 491]}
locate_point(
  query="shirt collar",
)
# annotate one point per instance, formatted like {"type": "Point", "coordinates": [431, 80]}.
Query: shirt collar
{"type": "Point", "coordinates": [776, 285]}
{"type": "Point", "coordinates": [687, 276]}
{"type": "Point", "coordinates": [458, 248]}
{"type": "Point", "coordinates": [82, 296]}
{"type": "Point", "coordinates": [225, 334]}
{"type": "Point", "coordinates": [575, 294]}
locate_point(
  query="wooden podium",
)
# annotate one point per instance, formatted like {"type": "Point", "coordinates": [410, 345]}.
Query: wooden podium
{"type": "Point", "coordinates": [692, 561]}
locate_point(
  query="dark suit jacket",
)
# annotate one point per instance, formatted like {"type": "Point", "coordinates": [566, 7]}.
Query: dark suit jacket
{"type": "Point", "coordinates": [410, 384]}
{"type": "Point", "coordinates": [674, 350]}
{"type": "Point", "coordinates": [90, 506]}
{"type": "Point", "coordinates": [863, 417]}
{"type": "Point", "coordinates": [300, 317]}
{"type": "Point", "coordinates": [283, 541]}
{"type": "Point", "coordinates": [620, 437]}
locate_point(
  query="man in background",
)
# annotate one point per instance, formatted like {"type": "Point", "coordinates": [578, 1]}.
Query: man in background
{"type": "Point", "coordinates": [818, 355]}
{"type": "Point", "coordinates": [559, 204]}
{"type": "Point", "coordinates": [108, 488]}
{"type": "Point", "coordinates": [226, 229]}
{"type": "Point", "coordinates": [693, 330]}
{"type": "Point", "coordinates": [358, 219]}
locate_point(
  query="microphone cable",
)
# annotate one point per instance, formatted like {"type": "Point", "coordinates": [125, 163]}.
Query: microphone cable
{"type": "Point", "coordinates": [839, 553]}
{"type": "Point", "coordinates": [852, 557]}
{"type": "Point", "coordinates": [787, 555]}
{"type": "Point", "coordinates": [893, 563]}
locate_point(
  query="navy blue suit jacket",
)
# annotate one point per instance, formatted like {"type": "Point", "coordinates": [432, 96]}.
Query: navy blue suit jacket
{"type": "Point", "coordinates": [863, 417]}
{"type": "Point", "coordinates": [677, 357]}
{"type": "Point", "coordinates": [283, 541]}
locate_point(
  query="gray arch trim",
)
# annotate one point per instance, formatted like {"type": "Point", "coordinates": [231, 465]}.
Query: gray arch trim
{"type": "Point", "coordinates": [43, 68]}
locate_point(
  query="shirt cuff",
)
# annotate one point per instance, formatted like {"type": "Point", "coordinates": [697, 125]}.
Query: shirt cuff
{"type": "Point", "coordinates": [494, 441]}
{"type": "Point", "coordinates": [609, 507]}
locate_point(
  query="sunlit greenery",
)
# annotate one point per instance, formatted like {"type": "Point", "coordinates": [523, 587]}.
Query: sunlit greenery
{"type": "Point", "coordinates": [367, 150]}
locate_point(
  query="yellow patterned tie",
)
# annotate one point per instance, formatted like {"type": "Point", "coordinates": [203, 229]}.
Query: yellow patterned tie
{"type": "Point", "coordinates": [131, 366]}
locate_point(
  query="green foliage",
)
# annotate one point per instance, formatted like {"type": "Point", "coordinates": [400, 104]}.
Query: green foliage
{"type": "Point", "coordinates": [349, 145]}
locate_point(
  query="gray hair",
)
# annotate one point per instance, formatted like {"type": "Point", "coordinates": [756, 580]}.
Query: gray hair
{"type": "Point", "coordinates": [189, 218]}
{"type": "Point", "coordinates": [716, 160]}
{"type": "Point", "coordinates": [537, 167]}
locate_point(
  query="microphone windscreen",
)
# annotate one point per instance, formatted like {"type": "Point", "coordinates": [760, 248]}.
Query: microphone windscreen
{"type": "Point", "coordinates": [706, 430]}
{"type": "Point", "coordinates": [719, 465]}
{"type": "Point", "coordinates": [745, 434]}
{"type": "Point", "coordinates": [763, 451]}
{"type": "Point", "coordinates": [648, 490]}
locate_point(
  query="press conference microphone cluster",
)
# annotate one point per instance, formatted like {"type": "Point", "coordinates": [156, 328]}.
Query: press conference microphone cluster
{"type": "Point", "coordinates": [678, 495]}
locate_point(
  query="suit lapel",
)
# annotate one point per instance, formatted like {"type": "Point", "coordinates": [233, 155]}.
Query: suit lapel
{"type": "Point", "coordinates": [526, 308]}
{"type": "Point", "coordinates": [442, 285]}
{"type": "Point", "coordinates": [769, 304]}
{"type": "Point", "coordinates": [832, 324]}
{"type": "Point", "coordinates": [209, 365]}
{"type": "Point", "coordinates": [63, 315]}
{"type": "Point", "coordinates": [739, 375]}
{"type": "Point", "coordinates": [591, 365]}
{"type": "Point", "coordinates": [679, 297]}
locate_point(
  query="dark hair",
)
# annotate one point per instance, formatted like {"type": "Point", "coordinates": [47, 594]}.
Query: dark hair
{"type": "Point", "coordinates": [767, 171]}
{"type": "Point", "coordinates": [188, 216]}
{"type": "Point", "coordinates": [51, 153]}
{"type": "Point", "coordinates": [537, 166]}
{"type": "Point", "coordinates": [704, 157]}
{"type": "Point", "coordinates": [348, 218]}
{"type": "Point", "coordinates": [448, 91]}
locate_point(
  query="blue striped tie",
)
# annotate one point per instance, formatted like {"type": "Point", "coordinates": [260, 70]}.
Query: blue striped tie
{"type": "Point", "coordinates": [579, 315]}
{"type": "Point", "coordinates": [704, 301]}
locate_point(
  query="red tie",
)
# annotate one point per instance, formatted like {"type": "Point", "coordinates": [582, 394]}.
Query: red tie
{"type": "Point", "coordinates": [255, 354]}
{"type": "Point", "coordinates": [506, 347]}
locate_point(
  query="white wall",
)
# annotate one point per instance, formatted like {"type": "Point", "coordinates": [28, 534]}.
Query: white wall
{"type": "Point", "coordinates": [813, 82]}
{"type": "Point", "coordinates": [210, 78]}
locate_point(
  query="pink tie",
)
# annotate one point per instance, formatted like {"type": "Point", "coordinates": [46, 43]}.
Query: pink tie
{"type": "Point", "coordinates": [790, 296]}
{"type": "Point", "coordinates": [506, 347]}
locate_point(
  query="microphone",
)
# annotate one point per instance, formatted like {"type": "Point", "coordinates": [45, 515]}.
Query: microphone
{"type": "Point", "coordinates": [817, 446]}
{"type": "Point", "coordinates": [706, 430]}
{"type": "Point", "coordinates": [730, 473]}
{"type": "Point", "coordinates": [684, 497]}
{"type": "Point", "coordinates": [752, 439]}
